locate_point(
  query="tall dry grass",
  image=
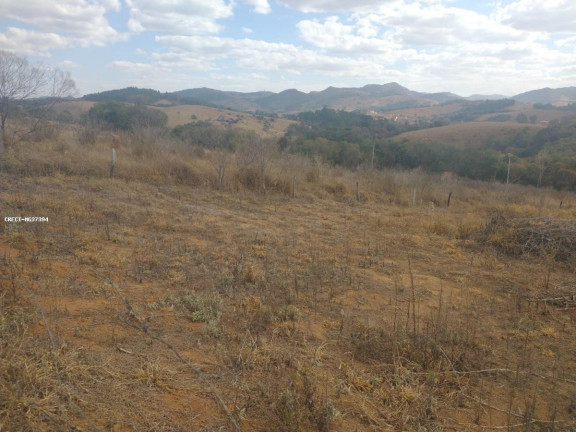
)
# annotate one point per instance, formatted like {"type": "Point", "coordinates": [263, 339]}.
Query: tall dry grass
{"type": "Point", "coordinates": [319, 312]}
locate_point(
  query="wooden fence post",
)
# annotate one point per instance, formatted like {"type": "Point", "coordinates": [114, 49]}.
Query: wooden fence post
{"type": "Point", "coordinates": [112, 162]}
{"type": "Point", "coordinates": [115, 146]}
{"type": "Point", "coordinates": [357, 191]}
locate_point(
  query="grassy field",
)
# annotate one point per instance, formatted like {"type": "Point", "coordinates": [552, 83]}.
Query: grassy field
{"type": "Point", "coordinates": [430, 112]}
{"type": "Point", "coordinates": [153, 301]}
{"type": "Point", "coordinates": [183, 114]}
{"type": "Point", "coordinates": [473, 134]}
{"type": "Point", "coordinates": [266, 126]}
{"type": "Point", "coordinates": [413, 114]}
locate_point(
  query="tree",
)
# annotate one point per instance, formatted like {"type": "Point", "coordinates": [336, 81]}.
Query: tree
{"type": "Point", "coordinates": [21, 81]}
{"type": "Point", "coordinates": [128, 117]}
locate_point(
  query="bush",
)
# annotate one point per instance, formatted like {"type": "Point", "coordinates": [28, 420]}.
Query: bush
{"type": "Point", "coordinates": [127, 117]}
{"type": "Point", "coordinates": [530, 236]}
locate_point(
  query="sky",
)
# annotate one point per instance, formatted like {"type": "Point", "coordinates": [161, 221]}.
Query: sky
{"type": "Point", "coordinates": [463, 46]}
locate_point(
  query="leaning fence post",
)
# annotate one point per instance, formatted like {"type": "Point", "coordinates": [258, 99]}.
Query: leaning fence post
{"type": "Point", "coordinates": [448, 202]}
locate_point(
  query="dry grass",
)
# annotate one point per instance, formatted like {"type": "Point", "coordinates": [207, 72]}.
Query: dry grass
{"type": "Point", "coordinates": [318, 312]}
{"type": "Point", "coordinates": [183, 114]}
{"type": "Point", "coordinates": [474, 134]}
{"type": "Point", "coordinates": [539, 236]}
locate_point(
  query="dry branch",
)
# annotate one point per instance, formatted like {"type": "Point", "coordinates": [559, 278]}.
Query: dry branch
{"type": "Point", "coordinates": [530, 236]}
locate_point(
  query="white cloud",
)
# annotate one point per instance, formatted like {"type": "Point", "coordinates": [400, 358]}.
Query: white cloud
{"type": "Point", "coordinates": [332, 5]}
{"type": "Point", "coordinates": [177, 16]}
{"type": "Point", "coordinates": [260, 6]}
{"type": "Point", "coordinates": [67, 64]}
{"type": "Point", "coordinates": [257, 55]}
{"type": "Point", "coordinates": [536, 15]}
{"type": "Point", "coordinates": [29, 42]}
{"type": "Point", "coordinates": [81, 22]}
{"type": "Point", "coordinates": [403, 26]}
{"type": "Point", "coordinates": [333, 35]}
{"type": "Point", "coordinates": [131, 67]}
{"type": "Point", "coordinates": [247, 30]}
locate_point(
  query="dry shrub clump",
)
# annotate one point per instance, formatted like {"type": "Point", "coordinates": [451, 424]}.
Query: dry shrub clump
{"type": "Point", "coordinates": [530, 236]}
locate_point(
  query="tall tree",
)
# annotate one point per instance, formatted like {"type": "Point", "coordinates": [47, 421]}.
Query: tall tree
{"type": "Point", "coordinates": [20, 80]}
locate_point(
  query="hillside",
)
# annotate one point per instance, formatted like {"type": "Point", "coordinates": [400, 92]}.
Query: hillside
{"type": "Point", "coordinates": [561, 96]}
{"type": "Point", "coordinates": [264, 125]}
{"type": "Point", "coordinates": [182, 114]}
{"type": "Point", "coordinates": [157, 301]}
{"type": "Point", "coordinates": [470, 134]}
{"type": "Point", "coordinates": [375, 97]}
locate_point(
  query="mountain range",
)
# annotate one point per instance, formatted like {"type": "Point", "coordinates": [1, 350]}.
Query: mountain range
{"type": "Point", "coordinates": [377, 97]}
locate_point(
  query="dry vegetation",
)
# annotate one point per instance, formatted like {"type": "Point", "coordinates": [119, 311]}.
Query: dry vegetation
{"type": "Point", "coordinates": [154, 302]}
{"type": "Point", "coordinates": [267, 126]}
{"type": "Point", "coordinates": [183, 114]}
{"type": "Point", "coordinates": [424, 112]}
{"type": "Point", "coordinates": [474, 134]}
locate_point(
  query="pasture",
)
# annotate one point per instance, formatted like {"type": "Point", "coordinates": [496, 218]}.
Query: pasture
{"type": "Point", "coordinates": [159, 301]}
{"type": "Point", "coordinates": [472, 134]}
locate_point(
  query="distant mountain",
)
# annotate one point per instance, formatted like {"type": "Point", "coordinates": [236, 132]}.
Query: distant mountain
{"type": "Point", "coordinates": [559, 96]}
{"type": "Point", "coordinates": [128, 94]}
{"type": "Point", "coordinates": [479, 97]}
{"type": "Point", "coordinates": [379, 97]}
{"type": "Point", "coordinates": [371, 97]}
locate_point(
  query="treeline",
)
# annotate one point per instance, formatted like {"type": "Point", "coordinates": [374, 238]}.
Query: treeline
{"type": "Point", "coordinates": [130, 95]}
{"type": "Point", "coordinates": [547, 158]}
{"type": "Point", "coordinates": [471, 110]}
{"type": "Point", "coordinates": [137, 95]}
{"type": "Point", "coordinates": [355, 140]}
{"type": "Point", "coordinates": [570, 107]}
{"type": "Point", "coordinates": [339, 125]}
{"type": "Point", "coordinates": [127, 117]}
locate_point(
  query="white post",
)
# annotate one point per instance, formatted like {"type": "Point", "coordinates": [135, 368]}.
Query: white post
{"type": "Point", "coordinates": [112, 162]}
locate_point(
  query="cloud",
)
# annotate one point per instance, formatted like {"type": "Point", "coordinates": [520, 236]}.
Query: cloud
{"type": "Point", "coordinates": [260, 6]}
{"type": "Point", "coordinates": [177, 16]}
{"type": "Point", "coordinates": [337, 37]}
{"type": "Point", "coordinates": [81, 22]}
{"type": "Point", "coordinates": [535, 15]}
{"type": "Point", "coordinates": [404, 26]}
{"type": "Point", "coordinates": [29, 42]}
{"type": "Point", "coordinates": [132, 67]}
{"type": "Point", "coordinates": [257, 55]}
{"type": "Point", "coordinates": [75, 22]}
{"type": "Point", "coordinates": [332, 5]}
{"type": "Point", "coordinates": [69, 64]}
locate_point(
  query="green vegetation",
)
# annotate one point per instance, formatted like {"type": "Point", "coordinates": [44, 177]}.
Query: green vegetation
{"type": "Point", "coordinates": [126, 117]}
{"type": "Point", "coordinates": [474, 109]}
{"type": "Point", "coordinates": [145, 96]}
{"type": "Point", "coordinates": [206, 135]}
{"type": "Point", "coordinates": [131, 95]}
{"type": "Point", "coordinates": [570, 107]}
{"type": "Point", "coordinates": [352, 139]}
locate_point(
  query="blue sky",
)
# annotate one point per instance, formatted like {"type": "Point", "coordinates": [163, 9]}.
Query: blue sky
{"type": "Point", "coordinates": [463, 46]}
